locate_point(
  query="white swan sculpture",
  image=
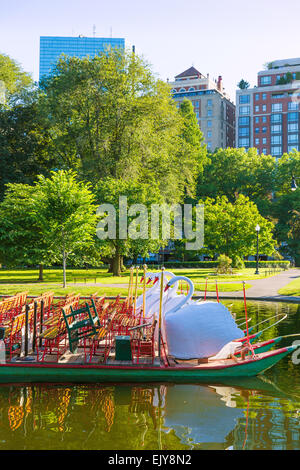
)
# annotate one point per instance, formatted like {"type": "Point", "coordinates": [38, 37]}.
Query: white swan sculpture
{"type": "Point", "coordinates": [197, 330]}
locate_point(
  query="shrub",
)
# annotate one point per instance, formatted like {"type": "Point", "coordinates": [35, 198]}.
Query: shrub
{"type": "Point", "coordinates": [224, 265]}
{"type": "Point", "coordinates": [238, 262]}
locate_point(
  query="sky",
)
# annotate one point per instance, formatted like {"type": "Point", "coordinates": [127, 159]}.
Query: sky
{"type": "Point", "coordinates": [229, 38]}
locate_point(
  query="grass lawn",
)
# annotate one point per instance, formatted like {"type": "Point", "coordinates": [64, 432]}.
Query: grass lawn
{"type": "Point", "coordinates": [293, 288]}
{"type": "Point", "coordinates": [87, 282]}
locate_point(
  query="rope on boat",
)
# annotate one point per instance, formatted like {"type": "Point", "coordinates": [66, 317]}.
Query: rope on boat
{"type": "Point", "coordinates": [241, 324]}
{"type": "Point", "coordinates": [268, 319]}
{"type": "Point", "coordinates": [283, 318]}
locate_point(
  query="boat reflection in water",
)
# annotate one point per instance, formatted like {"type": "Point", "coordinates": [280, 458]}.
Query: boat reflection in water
{"type": "Point", "coordinates": [169, 416]}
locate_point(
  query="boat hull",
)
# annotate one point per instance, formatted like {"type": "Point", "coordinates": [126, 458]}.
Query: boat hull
{"type": "Point", "coordinates": [73, 373]}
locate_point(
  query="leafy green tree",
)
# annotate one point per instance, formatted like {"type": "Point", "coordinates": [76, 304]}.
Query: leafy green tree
{"type": "Point", "coordinates": [109, 191]}
{"type": "Point", "coordinates": [13, 79]}
{"type": "Point", "coordinates": [65, 215]}
{"type": "Point", "coordinates": [286, 206]}
{"type": "Point", "coordinates": [230, 172]}
{"type": "Point", "coordinates": [111, 117]}
{"type": "Point", "coordinates": [24, 142]}
{"type": "Point", "coordinates": [20, 242]}
{"type": "Point", "coordinates": [230, 228]}
{"type": "Point", "coordinates": [192, 149]}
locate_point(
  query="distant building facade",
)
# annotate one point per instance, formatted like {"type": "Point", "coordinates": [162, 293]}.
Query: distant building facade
{"type": "Point", "coordinates": [51, 48]}
{"type": "Point", "coordinates": [268, 114]}
{"type": "Point", "coordinates": [213, 108]}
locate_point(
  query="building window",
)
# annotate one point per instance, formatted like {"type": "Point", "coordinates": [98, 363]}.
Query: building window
{"type": "Point", "coordinates": [276, 107]}
{"type": "Point", "coordinates": [293, 138]}
{"type": "Point", "coordinates": [256, 96]}
{"type": "Point", "coordinates": [257, 141]}
{"type": "Point", "coordinates": [276, 150]}
{"type": "Point", "coordinates": [276, 129]}
{"type": "Point", "coordinates": [264, 118]}
{"type": "Point", "coordinates": [244, 131]}
{"type": "Point", "coordinates": [293, 127]}
{"type": "Point", "coordinates": [291, 148]}
{"type": "Point", "coordinates": [244, 99]}
{"type": "Point", "coordinates": [182, 90]}
{"type": "Point", "coordinates": [276, 117]}
{"type": "Point", "coordinates": [209, 134]}
{"type": "Point", "coordinates": [243, 142]}
{"type": "Point", "coordinates": [197, 114]}
{"type": "Point", "coordinates": [266, 80]}
{"type": "Point", "coordinates": [264, 96]}
{"type": "Point", "coordinates": [244, 110]}
{"type": "Point", "coordinates": [209, 113]}
{"type": "Point", "coordinates": [191, 88]}
{"type": "Point", "coordinates": [209, 145]}
{"type": "Point", "coordinates": [208, 123]}
{"type": "Point", "coordinates": [264, 140]}
{"type": "Point", "coordinates": [292, 106]}
{"type": "Point", "coordinates": [264, 151]}
{"type": "Point", "coordinates": [292, 116]}
{"type": "Point", "coordinates": [196, 104]}
{"type": "Point", "coordinates": [264, 108]}
{"type": "Point", "coordinates": [256, 119]}
{"type": "Point", "coordinates": [276, 139]}
{"type": "Point", "coordinates": [276, 96]}
{"type": "Point", "coordinates": [257, 130]}
{"type": "Point", "coordinates": [244, 120]}
{"type": "Point", "coordinates": [257, 109]}
{"type": "Point", "coordinates": [264, 130]}
{"type": "Point", "coordinates": [209, 102]}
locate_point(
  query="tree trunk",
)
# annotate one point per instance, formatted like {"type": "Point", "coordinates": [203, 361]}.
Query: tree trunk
{"type": "Point", "coordinates": [110, 262]}
{"type": "Point", "coordinates": [64, 270]}
{"type": "Point", "coordinates": [41, 272]}
{"type": "Point", "coordinates": [116, 264]}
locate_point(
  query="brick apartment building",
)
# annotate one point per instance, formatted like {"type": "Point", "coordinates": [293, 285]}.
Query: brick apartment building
{"type": "Point", "coordinates": [213, 108]}
{"type": "Point", "coordinates": [267, 116]}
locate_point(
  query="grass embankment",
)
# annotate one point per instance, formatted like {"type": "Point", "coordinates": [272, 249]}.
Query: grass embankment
{"type": "Point", "coordinates": [293, 288]}
{"type": "Point", "coordinates": [89, 281]}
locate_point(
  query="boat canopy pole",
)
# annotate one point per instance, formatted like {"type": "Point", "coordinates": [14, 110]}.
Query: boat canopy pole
{"type": "Point", "coordinates": [136, 287]}
{"type": "Point", "coordinates": [144, 290]}
{"type": "Point", "coordinates": [160, 308]}
{"type": "Point", "coordinates": [246, 318]}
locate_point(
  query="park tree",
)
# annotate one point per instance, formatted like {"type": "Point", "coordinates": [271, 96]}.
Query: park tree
{"type": "Point", "coordinates": [20, 242]}
{"type": "Point", "coordinates": [48, 223]}
{"type": "Point", "coordinates": [193, 152]}
{"type": "Point", "coordinates": [135, 235]}
{"type": "Point", "coordinates": [24, 142]}
{"type": "Point", "coordinates": [229, 228]}
{"type": "Point", "coordinates": [286, 206]}
{"type": "Point", "coordinates": [111, 117]}
{"type": "Point", "coordinates": [65, 215]}
{"type": "Point", "coordinates": [231, 171]}
{"type": "Point", "coordinates": [13, 80]}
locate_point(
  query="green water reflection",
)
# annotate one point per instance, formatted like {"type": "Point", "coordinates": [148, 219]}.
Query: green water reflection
{"type": "Point", "coordinates": [257, 413]}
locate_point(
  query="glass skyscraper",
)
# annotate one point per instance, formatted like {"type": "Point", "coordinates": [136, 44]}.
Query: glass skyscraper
{"type": "Point", "coordinates": [51, 48]}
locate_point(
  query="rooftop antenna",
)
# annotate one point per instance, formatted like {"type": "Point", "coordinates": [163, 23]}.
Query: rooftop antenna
{"type": "Point", "coordinates": [94, 30]}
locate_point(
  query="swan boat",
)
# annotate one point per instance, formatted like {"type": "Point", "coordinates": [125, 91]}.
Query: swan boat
{"type": "Point", "coordinates": [175, 355]}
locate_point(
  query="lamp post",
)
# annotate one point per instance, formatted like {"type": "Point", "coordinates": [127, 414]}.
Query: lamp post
{"type": "Point", "coordinates": [257, 229]}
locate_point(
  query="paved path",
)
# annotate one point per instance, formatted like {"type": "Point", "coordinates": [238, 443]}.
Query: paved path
{"type": "Point", "coordinates": [264, 289]}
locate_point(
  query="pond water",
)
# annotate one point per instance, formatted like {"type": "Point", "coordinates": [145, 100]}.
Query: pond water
{"type": "Point", "coordinates": [256, 413]}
